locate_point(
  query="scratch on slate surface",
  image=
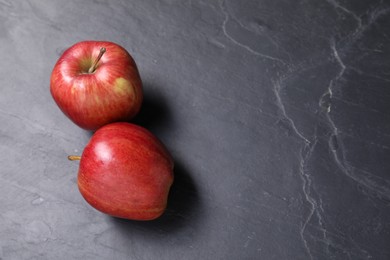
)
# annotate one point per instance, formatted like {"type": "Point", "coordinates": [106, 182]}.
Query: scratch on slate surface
{"type": "Point", "coordinates": [249, 49]}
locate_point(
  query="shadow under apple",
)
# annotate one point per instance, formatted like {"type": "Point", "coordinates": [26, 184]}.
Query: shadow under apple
{"type": "Point", "coordinates": [154, 114]}
{"type": "Point", "coordinates": [183, 209]}
{"type": "Point", "coordinates": [184, 205]}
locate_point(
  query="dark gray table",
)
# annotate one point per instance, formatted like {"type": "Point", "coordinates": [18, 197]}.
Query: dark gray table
{"type": "Point", "coordinates": [276, 112]}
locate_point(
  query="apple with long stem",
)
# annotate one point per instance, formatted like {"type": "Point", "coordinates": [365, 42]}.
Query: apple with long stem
{"type": "Point", "coordinates": [126, 172]}
{"type": "Point", "coordinates": [95, 83]}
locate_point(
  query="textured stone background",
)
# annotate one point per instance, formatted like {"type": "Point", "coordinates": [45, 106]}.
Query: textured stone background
{"type": "Point", "coordinates": [276, 112]}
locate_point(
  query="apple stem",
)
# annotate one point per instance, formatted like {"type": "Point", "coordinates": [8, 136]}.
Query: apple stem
{"type": "Point", "coordinates": [94, 66]}
{"type": "Point", "coordinates": [74, 158]}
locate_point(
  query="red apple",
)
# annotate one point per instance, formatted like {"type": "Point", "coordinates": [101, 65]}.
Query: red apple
{"type": "Point", "coordinates": [126, 172]}
{"type": "Point", "coordinates": [95, 83]}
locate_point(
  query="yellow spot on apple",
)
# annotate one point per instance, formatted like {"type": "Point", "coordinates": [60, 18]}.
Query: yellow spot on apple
{"type": "Point", "coordinates": [122, 86]}
{"type": "Point", "coordinates": [97, 99]}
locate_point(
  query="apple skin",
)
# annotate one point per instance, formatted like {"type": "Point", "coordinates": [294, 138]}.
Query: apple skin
{"type": "Point", "coordinates": [112, 93]}
{"type": "Point", "coordinates": [126, 172]}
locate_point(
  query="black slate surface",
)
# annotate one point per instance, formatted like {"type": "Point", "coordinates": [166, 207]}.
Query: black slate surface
{"type": "Point", "coordinates": [276, 112]}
